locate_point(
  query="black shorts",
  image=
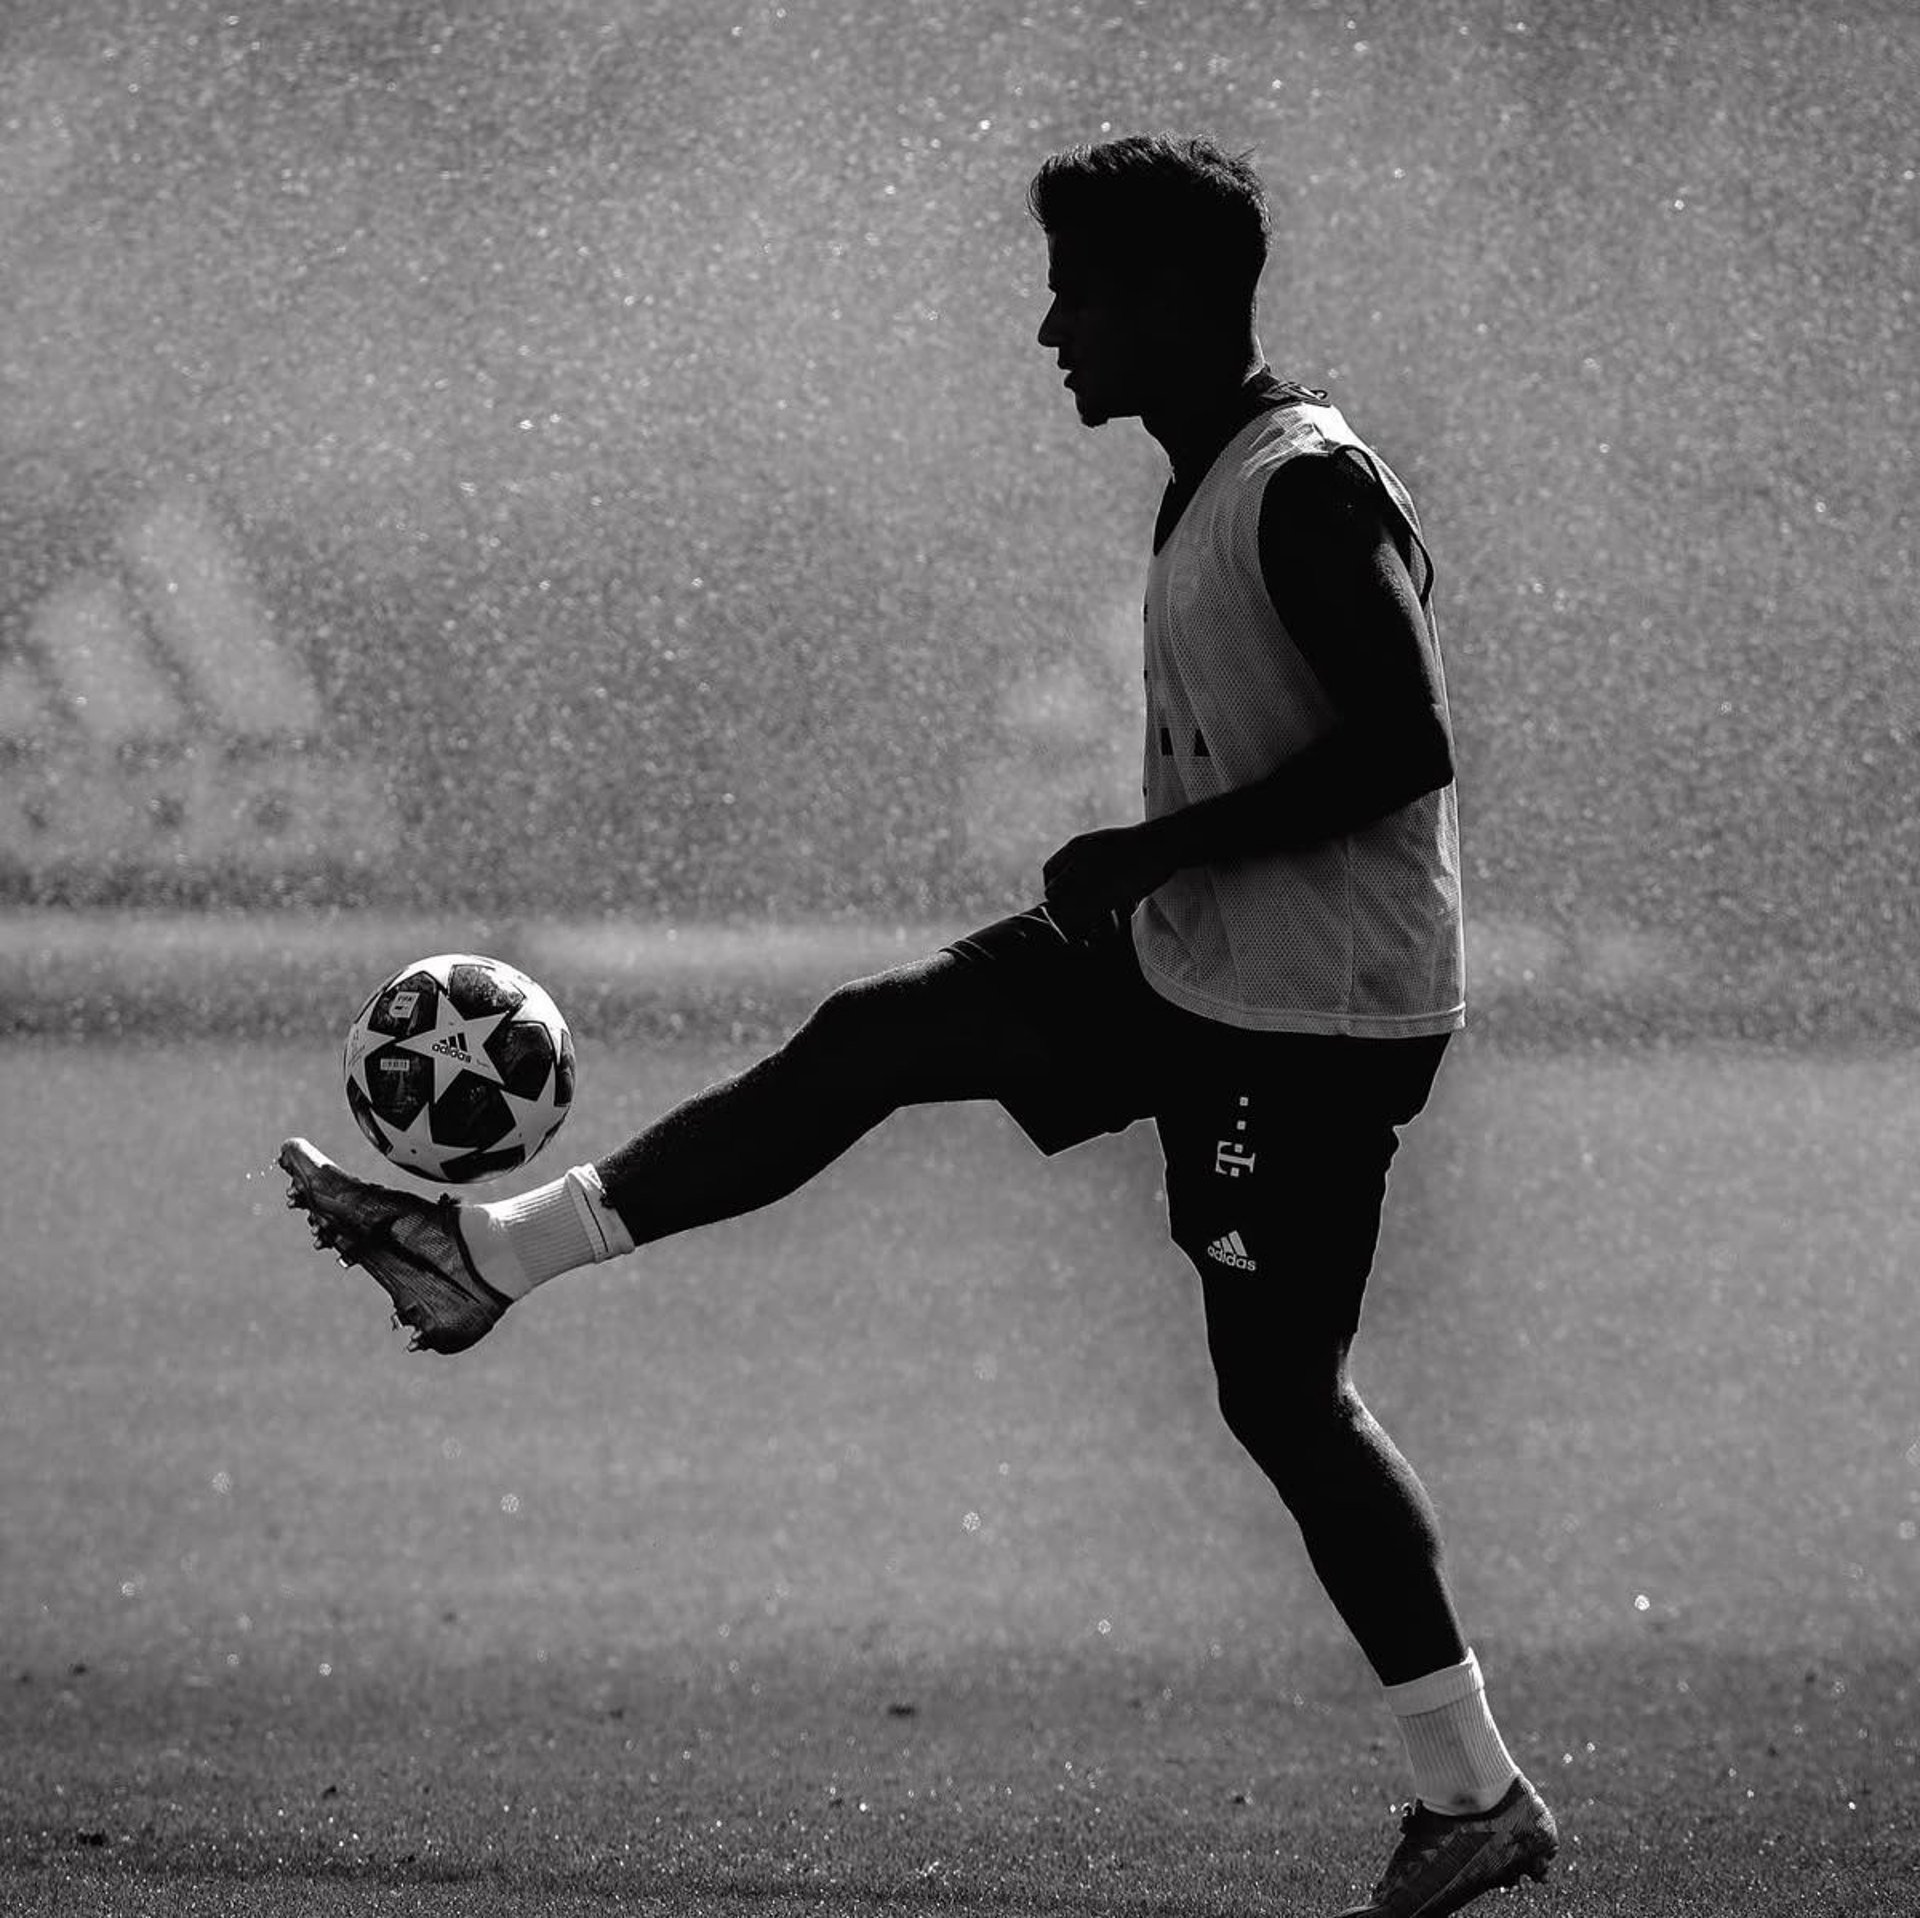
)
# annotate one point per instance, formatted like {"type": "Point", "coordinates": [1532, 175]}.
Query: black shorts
{"type": "Point", "coordinates": [1277, 1144]}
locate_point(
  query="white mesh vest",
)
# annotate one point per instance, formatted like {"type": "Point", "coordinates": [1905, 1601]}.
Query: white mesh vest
{"type": "Point", "coordinates": [1358, 935]}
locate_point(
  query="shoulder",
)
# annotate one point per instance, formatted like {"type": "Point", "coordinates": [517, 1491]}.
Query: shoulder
{"type": "Point", "coordinates": [1325, 493]}
{"type": "Point", "coordinates": [1323, 470]}
{"type": "Point", "coordinates": [1326, 514]}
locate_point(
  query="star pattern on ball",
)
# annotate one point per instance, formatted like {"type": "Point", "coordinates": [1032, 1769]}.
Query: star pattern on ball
{"type": "Point", "coordinates": [480, 1090]}
{"type": "Point", "coordinates": [456, 1044]}
{"type": "Point", "coordinates": [413, 1144]}
{"type": "Point", "coordinates": [536, 1118]}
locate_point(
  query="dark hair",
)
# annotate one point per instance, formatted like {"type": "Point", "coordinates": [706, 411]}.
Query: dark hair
{"type": "Point", "coordinates": [1158, 199]}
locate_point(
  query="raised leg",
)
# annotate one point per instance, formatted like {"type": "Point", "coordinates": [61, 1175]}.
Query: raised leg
{"type": "Point", "coordinates": [919, 1034]}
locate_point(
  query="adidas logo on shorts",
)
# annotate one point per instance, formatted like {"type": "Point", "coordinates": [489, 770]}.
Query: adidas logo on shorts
{"type": "Point", "coordinates": [1230, 1251]}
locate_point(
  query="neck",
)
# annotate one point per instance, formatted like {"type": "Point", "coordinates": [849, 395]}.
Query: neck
{"type": "Point", "coordinates": [1193, 422]}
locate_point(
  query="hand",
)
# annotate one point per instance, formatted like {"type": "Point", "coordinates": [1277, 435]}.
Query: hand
{"type": "Point", "coordinates": [1101, 876]}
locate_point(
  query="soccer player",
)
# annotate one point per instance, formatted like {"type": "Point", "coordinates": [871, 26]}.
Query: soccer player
{"type": "Point", "coordinates": [1267, 965]}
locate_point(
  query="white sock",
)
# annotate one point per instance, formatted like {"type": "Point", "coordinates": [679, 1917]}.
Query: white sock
{"type": "Point", "coordinates": [1460, 1763]}
{"type": "Point", "coordinates": [518, 1243]}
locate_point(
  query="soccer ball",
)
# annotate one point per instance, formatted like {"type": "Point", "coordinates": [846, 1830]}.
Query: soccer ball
{"type": "Point", "coordinates": [459, 1068]}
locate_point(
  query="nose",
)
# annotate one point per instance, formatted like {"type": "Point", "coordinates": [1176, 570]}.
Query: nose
{"type": "Point", "coordinates": [1053, 332]}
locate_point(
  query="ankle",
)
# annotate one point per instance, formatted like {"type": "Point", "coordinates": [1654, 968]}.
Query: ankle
{"type": "Point", "coordinates": [518, 1243]}
{"type": "Point", "coordinates": [1460, 1763]}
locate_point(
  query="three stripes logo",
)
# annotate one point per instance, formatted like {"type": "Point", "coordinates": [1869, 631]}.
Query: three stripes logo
{"type": "Point", "coordinates": [127, 652]}
{"type": "Point", "coordinates": [152, 722]}
{"type": "Point", "coordinates": [1230, 1250]}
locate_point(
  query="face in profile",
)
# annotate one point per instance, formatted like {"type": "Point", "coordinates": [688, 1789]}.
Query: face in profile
{"type": "Point", "coordinates": [1115, 338]}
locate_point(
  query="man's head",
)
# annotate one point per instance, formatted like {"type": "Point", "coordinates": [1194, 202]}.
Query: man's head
{"type": "Point", "coordinates": [1154, 249]}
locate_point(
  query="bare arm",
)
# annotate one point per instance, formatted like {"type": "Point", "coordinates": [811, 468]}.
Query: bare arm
{"type": "Point", "coordinates": [1341, 587]}
{"type": "Point", "coordinates": [1343, 591]}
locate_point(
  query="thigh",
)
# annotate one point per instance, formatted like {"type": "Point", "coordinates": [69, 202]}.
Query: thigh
{"type": "Point", "coordinates": [1069, 1030]}
{"type": "Point", "coordinates": [1031, 1029]}
{"type": "Point", "coordinates": [1277, 1166]}
{"type": "Point", "coordinates": [931, 1028]}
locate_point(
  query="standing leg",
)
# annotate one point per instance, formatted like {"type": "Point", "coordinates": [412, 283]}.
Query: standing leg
{"type": "Point", "coordinates": [1370, 1531]}
{"type": "Point", "coordinates": [1275, 1182]}
{"type": "Point", "coordinates": [1366, 1520]}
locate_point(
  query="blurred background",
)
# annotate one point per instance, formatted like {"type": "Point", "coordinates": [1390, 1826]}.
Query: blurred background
{"type": "Point", "coordinates": [574, 479]}
{"type": "Point", "coordinates": [591, 460]}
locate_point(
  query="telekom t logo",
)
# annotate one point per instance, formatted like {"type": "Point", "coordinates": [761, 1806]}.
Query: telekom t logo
{"type": "Point", "coordinates": [1235, 1156]}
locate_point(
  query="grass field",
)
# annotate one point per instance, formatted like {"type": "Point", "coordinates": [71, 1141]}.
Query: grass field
{"type": "Point", "coordinates": [884, 1552]}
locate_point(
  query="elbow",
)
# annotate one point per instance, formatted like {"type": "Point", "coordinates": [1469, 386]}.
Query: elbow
{"type": "Point", "coordinates": [1390, 766]}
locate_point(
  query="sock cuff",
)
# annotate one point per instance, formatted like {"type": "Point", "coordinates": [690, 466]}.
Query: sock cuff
{"type": "Point", "coordinates": [517, 1242]}
{"type": "Point", "coordinates": [603, 1225]}
{"type": "Point", "coordinates": [1435, 1691]}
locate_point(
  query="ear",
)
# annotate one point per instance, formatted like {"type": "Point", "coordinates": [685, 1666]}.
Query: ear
{"type": "Point", "coordinates": [1164, 303]}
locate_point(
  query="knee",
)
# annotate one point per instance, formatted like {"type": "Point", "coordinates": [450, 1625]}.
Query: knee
{"type": "Point", "coordinates": [833, 1021]}
{"type": "Point", "coordinates": [854, 1039]}
{"type": "Point", "coordinates": [847, 1021]}
{"type": "Point", "coordinates": [1291, 1421]}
